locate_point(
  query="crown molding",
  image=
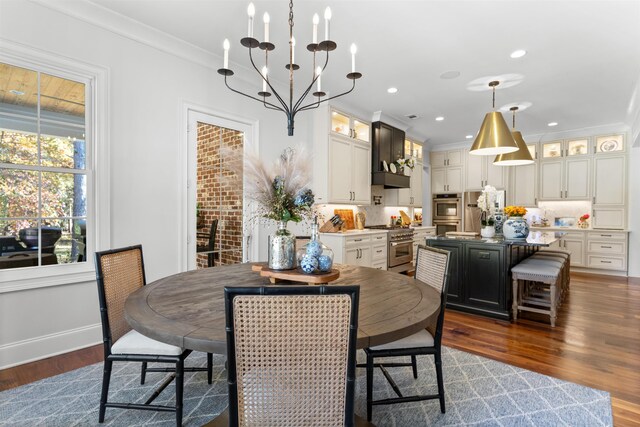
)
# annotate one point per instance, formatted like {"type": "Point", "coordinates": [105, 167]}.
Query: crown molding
{"type": "Point", "coordinates": [99, 16]}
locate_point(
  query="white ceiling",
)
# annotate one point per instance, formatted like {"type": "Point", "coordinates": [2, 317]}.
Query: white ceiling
{"type": "Point", "coordinates": [582, 64]}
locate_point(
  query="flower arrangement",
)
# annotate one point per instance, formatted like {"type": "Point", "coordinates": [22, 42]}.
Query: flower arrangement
{"type": "Point", "coordinates": [408, 162]}
{"type": "Point", "coordinates": [486, 203]}
{"type": "Point", "coordinates": [281, 192]}
{"type": "Point", "coordinates": [515, 211]}
{"type": "Point", "coordinates": [583, 221]}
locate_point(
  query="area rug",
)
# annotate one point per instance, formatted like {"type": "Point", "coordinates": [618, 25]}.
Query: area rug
{"type": "Point", "coordinates": [479, 391]}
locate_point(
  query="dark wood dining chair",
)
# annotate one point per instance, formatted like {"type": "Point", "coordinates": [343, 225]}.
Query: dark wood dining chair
{"type": "Point", "coordinates": [432, 267]}
{"type": "Point", "coordinates": [291, 355]}
{"type": "Point", "coordinates": [119, 272]}
{"type": "Point", "coordinates": [210, 247]}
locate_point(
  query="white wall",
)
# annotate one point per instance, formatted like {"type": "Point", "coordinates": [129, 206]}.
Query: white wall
{"type": "Point", "coordinates": [634, 211]}
{"type": "Point", "coordinates": [148, 88]}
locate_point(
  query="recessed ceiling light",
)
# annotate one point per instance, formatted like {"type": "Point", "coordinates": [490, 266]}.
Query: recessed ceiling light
{"type": "Point", "coordinates": [16, 92]}
{"type": "Point", "coordinates": [448, 75]}
{"type": "Point", "coordinates": [392, 90]}
{"type": "Point", "coordinates": [551, 124]}
{"type": "Point", "coordinates": [518, 53]}
{"type": "Point", "coordinates": [469, 136]}
{"type": "Point", "coordinates": [439, 119]}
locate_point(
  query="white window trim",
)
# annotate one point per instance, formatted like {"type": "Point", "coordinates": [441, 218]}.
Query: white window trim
{"type": "Point", "coordinates": [97, 131]}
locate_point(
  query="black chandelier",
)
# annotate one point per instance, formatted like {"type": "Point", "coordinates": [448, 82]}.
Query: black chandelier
{"type": "Point", "coordinates": [290, 108]}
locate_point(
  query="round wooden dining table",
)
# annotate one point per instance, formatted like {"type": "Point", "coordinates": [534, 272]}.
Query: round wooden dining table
{"type": "Point", "coordinates": [187, 309]}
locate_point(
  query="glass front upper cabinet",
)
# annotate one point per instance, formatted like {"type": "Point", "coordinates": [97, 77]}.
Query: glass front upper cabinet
{"type": "Point", "coordinates": [361, 130]}
{"type": "Point", "coordinates": [551, 150]}
{"type": "Point", "coordinates": [412, 149]}
{"type": "Point", "coordinates": [577, 147]}
{"type": "Point", "coordinates": [346, 125]}
{"type": "Point", "coordinates": [569, 148]}
{"type": "Point", "coordinates": [609, 143]}
{"type": "Point", "coordinates": [340, 123]}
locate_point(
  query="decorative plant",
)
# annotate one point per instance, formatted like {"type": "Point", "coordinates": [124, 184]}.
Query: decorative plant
{"type": "Point", "coordinates": [584, 217]}
{"type": "Point", "coordinates": [282, 191]}
{"type": "Point", "coordinates": [487, 204]}
{"type": "Point", "coordinates": [515, 211]}
{"type": "Point", "coordinates": [486, 220]}
{"type": "Point", "coordinates": [408, 162]}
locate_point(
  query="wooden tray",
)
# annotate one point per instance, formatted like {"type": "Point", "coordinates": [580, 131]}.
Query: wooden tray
{"type": "Point", "coordinates": [347, 217]}
{"type": "Point", "coordinates": [277, 276]}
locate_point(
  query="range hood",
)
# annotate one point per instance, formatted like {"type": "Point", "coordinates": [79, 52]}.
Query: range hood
{"type": "Point", "coordinates": [390, 180]}
{"type": "Point", "coordinates": [387, 147]}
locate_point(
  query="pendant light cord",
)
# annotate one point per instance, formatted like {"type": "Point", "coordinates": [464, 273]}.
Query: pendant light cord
{"type": "Point", "coordinates": [290, 54]}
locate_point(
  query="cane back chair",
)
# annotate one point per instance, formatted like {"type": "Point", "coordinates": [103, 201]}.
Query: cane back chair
{"type": "Point", "coordinates": [119, 272]}
{"type": "Point", "coordinates": [291, 355]}
{"type": "Point", "coordinates": [432, 267]}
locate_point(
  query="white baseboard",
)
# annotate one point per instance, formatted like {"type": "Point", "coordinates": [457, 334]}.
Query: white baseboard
{"type": "Point", "coordinates": [21, 352]}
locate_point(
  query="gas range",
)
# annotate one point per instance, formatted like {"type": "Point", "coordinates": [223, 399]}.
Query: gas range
{"type": "Point", "coordinates": [396, 232]}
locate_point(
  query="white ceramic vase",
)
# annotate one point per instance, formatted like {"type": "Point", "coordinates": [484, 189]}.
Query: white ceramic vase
{"type": "Point", "coordinates": [488, 231]}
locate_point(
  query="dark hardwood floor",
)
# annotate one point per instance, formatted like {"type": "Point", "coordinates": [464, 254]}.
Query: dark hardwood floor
{"type": "Point", "coordinates": [596, 343]}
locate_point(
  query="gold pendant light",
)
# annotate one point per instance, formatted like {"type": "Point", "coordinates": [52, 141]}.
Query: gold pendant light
{"type": "Point", "coordinates": [494, 136]}
{"type": "Point", "coordinates": [517, 158]}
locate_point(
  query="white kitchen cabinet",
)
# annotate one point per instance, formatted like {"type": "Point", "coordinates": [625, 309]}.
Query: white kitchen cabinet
{"type": "Point", "coordinates": [420, 235]}
{"type": "Point", "coordinates": [566, 148]}
{"type": "Point", "coordinates": [441, 159]}
{"type": "Point", "coordinates": [348, 126]}
{"type": "Point", "coordinates": [349, 174]}
{"type": "Point", "coordinates": [447, 180]}
{"type": "Point", "coordinates": [574, 244]}
{"type": "Point", "coordinates": [359, 256]}
{"type": "Point", "coordinates": [607, 250]}
{"type": "Point", "coordinates": [367, 248]}
{"type": "Point", "coordinates": [480, 172]}
{"type": "Point", "coordinates": [341, 158]}
{"type": "Point", "coordinates": [608, 217]}
{"type": "Point", "coordinates": [411, 196]}
{"type": "Point", "coordinates": [609, 180]}
{"type": "Point", "coordinates": [565, 179]}
{"type": "Point", "coordinates": [523, 182]}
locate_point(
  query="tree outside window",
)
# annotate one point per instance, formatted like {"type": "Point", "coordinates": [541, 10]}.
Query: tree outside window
{"type": "Point", "coordinates": [43, 173]}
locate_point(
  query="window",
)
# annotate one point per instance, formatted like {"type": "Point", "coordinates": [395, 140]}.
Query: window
{"type": "Point", "coordinates": [44, 172]}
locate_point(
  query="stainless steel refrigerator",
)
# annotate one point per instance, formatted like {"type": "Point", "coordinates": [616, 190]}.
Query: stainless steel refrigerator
{"type": "Point", "coordinates": [472, 212]}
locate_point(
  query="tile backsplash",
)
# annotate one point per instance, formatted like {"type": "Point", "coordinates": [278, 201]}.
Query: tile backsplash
{"type": "Point", "coordinates": [560, 209]}
{"type": "Point", "coordinates": [376, 214]}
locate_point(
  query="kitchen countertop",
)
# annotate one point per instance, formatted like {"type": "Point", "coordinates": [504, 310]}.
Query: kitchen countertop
{"type": "Point", "coordinates": [355, 232]}
{"type": "Point", "coordinates": [423, 227]}
{"type": "Point", "coordinates": [535, 238]}
{"type": "Point", "coordinates": [578, 229]}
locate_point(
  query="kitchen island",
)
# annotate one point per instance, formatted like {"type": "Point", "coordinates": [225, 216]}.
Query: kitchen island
{"type": "Point", "coordinates": [480, 270]}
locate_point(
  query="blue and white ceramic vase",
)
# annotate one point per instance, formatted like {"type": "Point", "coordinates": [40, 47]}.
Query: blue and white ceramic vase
{"type": "Point", "coordinates": [515, 228]}
{"type": "Point", "coordinates": [315, 257]}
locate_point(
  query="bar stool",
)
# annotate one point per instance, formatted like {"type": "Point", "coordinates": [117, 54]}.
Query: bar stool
{"type": "Point", "coordinates": [537, 283]}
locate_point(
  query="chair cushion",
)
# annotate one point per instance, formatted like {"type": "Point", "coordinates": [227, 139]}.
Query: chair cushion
{"type": "Point", "coordinates": [135, 343]}
{"type": "Point", "coordinates": [420, 339]}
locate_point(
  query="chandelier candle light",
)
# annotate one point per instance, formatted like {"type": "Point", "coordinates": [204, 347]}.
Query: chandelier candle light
{"type": "Point", "coordinates": [290, 107]}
